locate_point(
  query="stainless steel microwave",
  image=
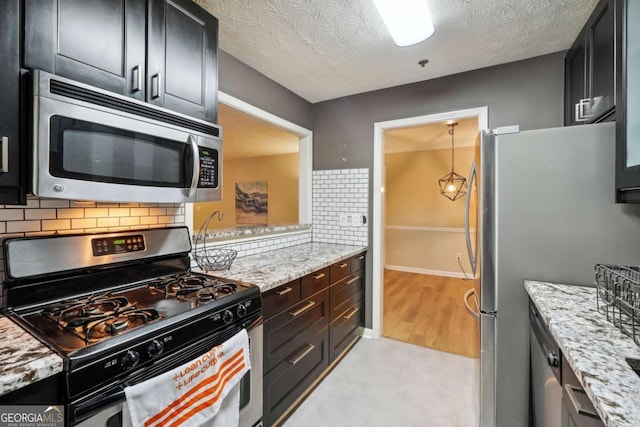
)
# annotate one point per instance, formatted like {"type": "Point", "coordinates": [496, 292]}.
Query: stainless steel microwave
{"type": "Point", "coordinates": [91, 144]}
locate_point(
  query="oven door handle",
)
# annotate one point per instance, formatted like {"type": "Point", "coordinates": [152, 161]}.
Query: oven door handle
{"type": "Point", "coordinates": [90, 408]}
{"type": "Point", "coordinates": [193, 142]}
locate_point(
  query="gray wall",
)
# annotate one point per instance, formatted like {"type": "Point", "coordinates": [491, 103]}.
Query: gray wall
{"type": "Point", "coordinates": [528, 93]}
{"type": "Point", "coordinates": [243, 82]}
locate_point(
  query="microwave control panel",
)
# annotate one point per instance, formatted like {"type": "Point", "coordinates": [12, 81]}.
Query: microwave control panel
{"type": "Point", "coordinates": [208, 168]}
{"type": "Point", "coordinates": [117, 245]}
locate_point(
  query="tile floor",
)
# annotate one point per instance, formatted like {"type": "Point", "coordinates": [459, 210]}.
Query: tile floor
{"type": "Point", "coordinates": [387, 383]}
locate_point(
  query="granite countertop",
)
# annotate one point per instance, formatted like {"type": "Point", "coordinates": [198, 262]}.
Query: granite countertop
{"type": "Point", "coordinates": [23, 359]}
{"type": "Point", "coordinates": [594, 348]}
{"type": "Point", "coordinates": [251, 231]}
{"type": "Point", "coordinates": [274, 268]}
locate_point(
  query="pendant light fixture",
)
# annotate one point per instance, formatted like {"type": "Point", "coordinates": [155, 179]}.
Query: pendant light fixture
{"type": "Point", "coordinates": [452, 185]}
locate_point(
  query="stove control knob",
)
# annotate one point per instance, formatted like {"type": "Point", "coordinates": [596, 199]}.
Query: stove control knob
{"type": "Point", "coordinates": [130, 359]}
{"type": "Point", "coordinates": [155, 348]}
{"type": "Point", "coordinates": [242, 310]}
{"type": "Point", "coordinates": [227, 316]}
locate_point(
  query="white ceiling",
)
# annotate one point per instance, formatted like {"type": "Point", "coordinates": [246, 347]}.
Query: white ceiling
{"type": "Point", "coordinates": [433, 136]}
{"type": "Point", "coordinates": [245, 136]}
{"type": "Point", "coordinates": [325, 49]}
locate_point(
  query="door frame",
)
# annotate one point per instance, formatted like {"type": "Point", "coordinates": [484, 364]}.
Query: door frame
{"type": "Point", "coordinates": [482, 113]}
{"type": "Point", "coordinates": [305, 156]}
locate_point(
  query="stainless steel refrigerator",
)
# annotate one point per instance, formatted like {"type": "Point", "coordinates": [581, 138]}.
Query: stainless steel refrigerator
{"type": "Point", "coordinates": [543, 205]}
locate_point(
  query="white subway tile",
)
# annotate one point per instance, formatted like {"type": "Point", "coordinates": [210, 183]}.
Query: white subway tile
{"type": "Point", "coordinates": [56, 224]}
{"type": "Point", "coordinates": [11, 214]}
{"type": "Point", "coordinates": [118, 212]}
{"type": "Point", "coordinates": [108, 222]}
{"type": "Point", "coordinates": [83, 223]}
{"type": "Point", "coordinates": [54, 203]}
{"type": "Point", "coordinates": [96, 212]}
{"type": "Point", "coordinates": [71, 213]}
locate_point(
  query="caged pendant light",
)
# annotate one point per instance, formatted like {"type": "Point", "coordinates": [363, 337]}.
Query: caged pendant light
{"type": "Point", "coordinates": [452, 185]}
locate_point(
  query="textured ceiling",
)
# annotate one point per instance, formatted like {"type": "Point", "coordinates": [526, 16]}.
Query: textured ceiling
{"type": "Point", "coordinates": [246, 136]}
{"type": "Point", "coordinates": [325, 49]}
{"type": "Point", "coordinates": [433, 136]}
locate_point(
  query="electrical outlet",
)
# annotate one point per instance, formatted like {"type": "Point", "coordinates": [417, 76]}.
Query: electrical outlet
{"type": "Point", "coordinates": [356, 220]}
{"type": "Point", "coordinates": [344, 219]}
{"type": "Point", "coordinates": [458, 256]}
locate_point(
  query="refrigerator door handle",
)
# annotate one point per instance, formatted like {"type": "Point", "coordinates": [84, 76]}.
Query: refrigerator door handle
{"type": "Point", "coordinates": [467, 227]}
{"type": "Point", "coordinates": [472, 293]}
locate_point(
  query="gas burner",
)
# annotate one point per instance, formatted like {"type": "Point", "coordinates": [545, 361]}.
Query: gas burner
{"type": "Point", "coordinates": [96, 317]}
{"type": "Point", "coordinates": [212, 292]}
{"type": "Point", "coordinates": [193, 288]}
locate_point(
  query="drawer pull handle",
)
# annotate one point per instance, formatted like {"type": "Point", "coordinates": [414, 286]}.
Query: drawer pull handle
{"type": "Point", "coordinates": [302, 310]}
{"type": "Point", "coordinates": [350, 315]}
{"type": "Point", "coordinates": [350, 281]}
{"type": "Point", "coordinates": [571, 390]}
{"type": "Point", "coordinates": [302, 355]}
{"type": "Point", "coordinates": [284, 291]}
{"type": "Point", "coordinates": [342, 265]}
{"type": "Point", "coordinates": [318, 276]}
{"type": "Point", "coordinates": [361, 257]}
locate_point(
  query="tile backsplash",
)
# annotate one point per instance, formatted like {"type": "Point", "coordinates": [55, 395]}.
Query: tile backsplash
{"type": "Point", "coordinates": [340, 196]}
{"type": "Point", "coordinates": [41, 217]}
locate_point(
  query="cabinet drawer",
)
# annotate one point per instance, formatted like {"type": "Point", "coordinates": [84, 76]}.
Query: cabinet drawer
{"type": "Point", "coordinates": [357, 263]}
{"type": "Point", "coordinates": [280, 298]}
{"type": "Point", "coordinates": [343, 295]}
{"type": "Point", "coordinates": [287, 331]}
{"type": "Point", "coordinates": [290, 378]}
{"type": "Point", "coordinates": [577, 408]}
{"type": "Point", "coordinates": [314, 283]}
{"type": "Point", "coordinates": [344, 330]}
{"type": "Point", "coordinates": [339, 271]}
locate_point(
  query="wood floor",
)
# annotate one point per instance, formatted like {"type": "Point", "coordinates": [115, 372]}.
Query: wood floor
{"type": "Point", "coordinates": [429, 311]}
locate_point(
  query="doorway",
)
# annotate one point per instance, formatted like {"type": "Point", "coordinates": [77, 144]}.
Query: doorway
{"type": "Point", "coordinates": [379, 202]}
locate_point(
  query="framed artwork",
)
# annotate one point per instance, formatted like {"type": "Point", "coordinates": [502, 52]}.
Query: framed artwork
{"type": "Point", "coordinates": [251, 203]}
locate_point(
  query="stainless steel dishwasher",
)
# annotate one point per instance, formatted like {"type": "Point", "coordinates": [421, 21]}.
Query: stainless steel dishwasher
{"type": "Point", "coordinates": [546, 389]}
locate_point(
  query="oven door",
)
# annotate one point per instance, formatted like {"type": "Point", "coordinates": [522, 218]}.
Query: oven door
{"type": "Point", "coordinates": [91, 152]}
{"type": "Point", "coordinates": [106, 408]}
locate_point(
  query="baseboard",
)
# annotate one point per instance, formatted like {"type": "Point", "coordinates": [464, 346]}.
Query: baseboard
{"type": "Point", "coordinates": [368, 333]}
{"type": "Point", "coordinates": [456, 274]}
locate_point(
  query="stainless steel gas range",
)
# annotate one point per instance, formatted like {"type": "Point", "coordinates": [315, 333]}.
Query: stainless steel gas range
{"type": "Point", "coordinates": [123, 307]}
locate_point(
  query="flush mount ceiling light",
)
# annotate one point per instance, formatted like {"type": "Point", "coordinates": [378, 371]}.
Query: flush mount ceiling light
{"type": "Point", "coordinates": [408, 21]}
{"type": "Point", "coordinates": [452, 185]}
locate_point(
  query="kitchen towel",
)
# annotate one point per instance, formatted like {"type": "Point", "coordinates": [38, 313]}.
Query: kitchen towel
{"type": "Point", "coordinates": [202, 392]}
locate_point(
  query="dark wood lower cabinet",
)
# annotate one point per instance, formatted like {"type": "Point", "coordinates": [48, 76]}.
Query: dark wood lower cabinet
{"type": "Point", "coordinates": [287, 331]}
{"type": "Point", "coordinates": [310, 322]}
{"type": "Point", "coordinates": [291, 377]}
{"type": "Point", "coordinates": [345, 330]}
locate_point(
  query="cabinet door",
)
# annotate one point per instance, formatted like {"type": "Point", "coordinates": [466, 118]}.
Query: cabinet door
{"type": "Point", "coordinates": [13, 167]}
{"type": "Point", "coordinates": [628, 103]}
{"type": "Point", "coordinates": [182, 58]}
{"type": "Point", "coordinates": [601, 36]}
{"type": "Point", "coordinates": [575, 82]}
{"type": "Point", "coordinates": [98, 43]}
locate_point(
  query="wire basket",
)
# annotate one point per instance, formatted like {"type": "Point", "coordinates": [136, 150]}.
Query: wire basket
{"type": "Point", "coordinates": [618, 297]}
{"type": "Point", "coordinates": [212, 258]}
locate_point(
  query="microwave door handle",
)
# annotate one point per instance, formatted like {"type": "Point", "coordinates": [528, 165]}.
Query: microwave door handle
{"type": "Point", "coordinates": [196, 165]}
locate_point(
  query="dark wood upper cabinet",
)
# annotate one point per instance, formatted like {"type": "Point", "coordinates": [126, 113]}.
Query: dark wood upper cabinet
{"type": "Point", "coordinates": [159, 51]}
{"type": "Point", "coordinates": [182, 58]}
{"type": "Point", "coordinates": [628, 98]}
{"type": "Point", "coordinates": [98, 43]}
{"type": "Point", "coordinates": [13, 147]}
{"type": "Point", "coordinates": [590, 69]}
